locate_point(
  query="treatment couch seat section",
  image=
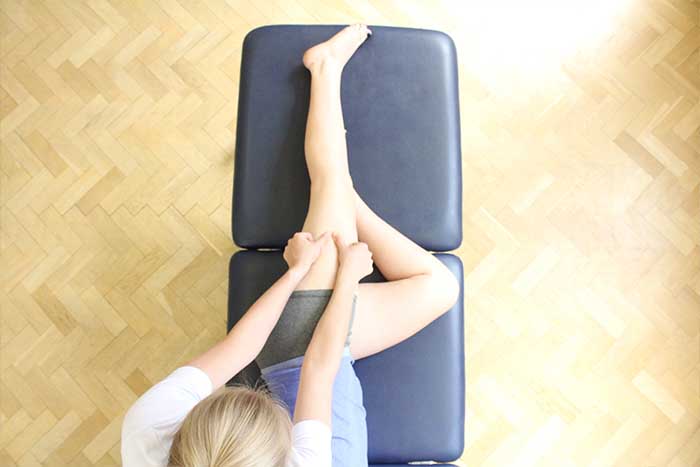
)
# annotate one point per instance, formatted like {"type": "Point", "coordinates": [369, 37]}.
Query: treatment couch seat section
{"type": "Point", "coordinates": [413, 392]}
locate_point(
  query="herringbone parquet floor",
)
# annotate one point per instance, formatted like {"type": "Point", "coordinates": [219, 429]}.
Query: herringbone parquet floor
{"type": "Point", "coordinates": [581, 138]}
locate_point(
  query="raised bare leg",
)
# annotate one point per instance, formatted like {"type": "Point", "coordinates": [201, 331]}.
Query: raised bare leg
{"type": "Point", "coordinates": [420, 287]}
{"type": "Point", "coordinates": [332, 202]}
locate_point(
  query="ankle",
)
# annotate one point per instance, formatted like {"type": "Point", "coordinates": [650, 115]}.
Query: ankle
{"type": "Point", "coordinates": [320, 64]}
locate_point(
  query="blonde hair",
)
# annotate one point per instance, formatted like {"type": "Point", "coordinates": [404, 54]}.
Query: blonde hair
{"type": "Point", "coordinates": [234, 427]}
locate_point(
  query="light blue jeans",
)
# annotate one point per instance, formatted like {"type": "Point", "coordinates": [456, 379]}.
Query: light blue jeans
{"type": "Point", "coordinates": [349, 428]}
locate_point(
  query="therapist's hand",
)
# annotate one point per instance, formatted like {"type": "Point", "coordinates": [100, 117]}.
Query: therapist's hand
{"type": "Point", "coordinates": [303, 250]}
{"type": "Point", "coordinates": [354, 259]}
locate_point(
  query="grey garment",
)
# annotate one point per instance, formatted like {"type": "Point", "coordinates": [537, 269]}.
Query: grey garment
{"type": "Point", "coordinates": [293, 332]}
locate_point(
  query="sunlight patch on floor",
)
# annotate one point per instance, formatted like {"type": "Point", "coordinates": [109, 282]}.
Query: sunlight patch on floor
{"type": "Point", "coordinates": [503, 38]}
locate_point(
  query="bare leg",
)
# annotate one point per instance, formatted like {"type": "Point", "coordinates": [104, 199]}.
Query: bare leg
{"type": "Point", "coordinates": [332, 199]}
{"type": "Point", "coordinates": [420, 287]}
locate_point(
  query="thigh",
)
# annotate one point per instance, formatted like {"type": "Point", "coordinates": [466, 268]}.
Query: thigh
{"type": "Point", "coordinates": [390, 312]}
{"type": "Point", "coordinates": [331, 208]}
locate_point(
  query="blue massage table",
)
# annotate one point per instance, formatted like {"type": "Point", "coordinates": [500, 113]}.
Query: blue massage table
{"type": "Point", "coordinates": [401, 110]}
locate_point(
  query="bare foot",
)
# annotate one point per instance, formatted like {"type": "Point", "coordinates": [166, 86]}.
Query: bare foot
{"type": "Point", "coordinates": [338, 49]}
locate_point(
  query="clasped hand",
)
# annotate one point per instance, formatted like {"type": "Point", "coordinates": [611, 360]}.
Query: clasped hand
{"type": "Point", "coordinates": [354, 259]}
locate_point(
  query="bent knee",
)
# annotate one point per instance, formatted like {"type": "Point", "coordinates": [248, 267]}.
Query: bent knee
{"type": "Point", "coordinates": [446, 289]}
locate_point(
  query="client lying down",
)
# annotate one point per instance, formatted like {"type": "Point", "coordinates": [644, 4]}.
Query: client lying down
{"type": "Point", "coordinates": [306, 330]}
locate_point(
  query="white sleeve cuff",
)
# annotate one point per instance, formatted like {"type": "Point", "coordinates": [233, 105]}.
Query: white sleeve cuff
{"type": "Point", "coordinates": [311, 444]}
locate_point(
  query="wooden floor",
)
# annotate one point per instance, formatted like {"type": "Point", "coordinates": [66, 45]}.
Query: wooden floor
{"type": "Point", "coordinates": [581, 150]}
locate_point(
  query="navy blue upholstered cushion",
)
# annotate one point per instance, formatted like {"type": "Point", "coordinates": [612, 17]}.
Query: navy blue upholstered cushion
{"type": "Point", "coordinates": [413, 392]}
{"type": "Point", "coordinates": [401, 110]}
